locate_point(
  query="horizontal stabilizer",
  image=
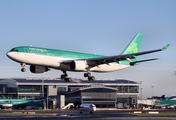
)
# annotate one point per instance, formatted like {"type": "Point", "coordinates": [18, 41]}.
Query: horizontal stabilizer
{"type": "Point", "coordinates": [133, 63]}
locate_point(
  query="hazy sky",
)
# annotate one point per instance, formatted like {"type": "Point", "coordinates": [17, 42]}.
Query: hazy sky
{"type": "Point", "coordinates": [94, 26]}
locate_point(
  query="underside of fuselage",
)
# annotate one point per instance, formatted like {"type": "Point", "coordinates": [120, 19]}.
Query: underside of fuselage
{"type": "Point", "coordinates": [100, 68]}
{"type": "Point", "coordinates": [56, 63]}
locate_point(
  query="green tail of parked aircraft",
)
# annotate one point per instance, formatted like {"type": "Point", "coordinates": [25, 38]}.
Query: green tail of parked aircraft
{"type": "Point", "coordinates": [14, 102]}
{"type": "Point", "coordinates": [42, 59]}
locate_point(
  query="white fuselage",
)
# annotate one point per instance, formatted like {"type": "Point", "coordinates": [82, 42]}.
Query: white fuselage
{"type": "Point", "coordinates": [87, 108]}
{"type": "Point", "coordinates": [56, 62]}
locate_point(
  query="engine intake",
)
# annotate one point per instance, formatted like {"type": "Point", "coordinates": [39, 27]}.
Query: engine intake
{"type": "Point", "coordinates": [38, 69]}
{"type": "Point", "coordinates": [78, 65]}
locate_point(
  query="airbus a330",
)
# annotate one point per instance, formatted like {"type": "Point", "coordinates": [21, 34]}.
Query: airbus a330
{"type": "Point", "coordinates": [42, 59]}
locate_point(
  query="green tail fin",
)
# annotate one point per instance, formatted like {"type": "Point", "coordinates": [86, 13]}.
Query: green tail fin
{"type": "Point", "coordinates": [3, 97]}
{"type": "Point", "coordinates": [134, 45]}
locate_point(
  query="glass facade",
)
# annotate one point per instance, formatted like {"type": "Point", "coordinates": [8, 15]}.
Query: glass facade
{"type": "Point", "coordinates": [8, 96]}
{"type": "Point", "coordinates": [105, 105]}
{"type": "Point", "coordinates": [126, 88]}
{"type": "Point", "coordinates": [99, 99]}
{"type": "Point", "coordinates": [123, 100]}
{"type": "Point", "coordinates": [61, 90]}
{"type": "Point", "coordinates": [98, 90]}
{"type": "Point", "coordinates": [29, 88]}
{"type": "Point", "coordinates": [73, 87]}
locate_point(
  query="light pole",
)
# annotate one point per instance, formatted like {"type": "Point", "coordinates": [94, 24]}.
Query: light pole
{"type": "Point", "coordinates": [152, 90]}
{"type": "Point", "coordinates": [174, 72]}
{"type": "Point", "coordinates": [152, 96]}
{"type": "Point", "coordinates": [141, 93]}
{"type": "Point", "coordinates": [42, 90]}
{"type": "Point", "coordinates": [128, 88]}
{"type": "Point", "coordinates": [44, 103]}
{"type": "Point", "coordinates": [141, 89]}
{"type": "Point", "coordinates": [128, 96]}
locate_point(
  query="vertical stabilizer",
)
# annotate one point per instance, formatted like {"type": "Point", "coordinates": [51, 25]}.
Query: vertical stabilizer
{"type": "Point", "coordinates": [134, 45]}
{"type": "Point", "coordinates": [3, 97]}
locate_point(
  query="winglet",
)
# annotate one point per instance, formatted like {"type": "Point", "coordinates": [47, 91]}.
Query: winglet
{"type": "Point", "coordinates": [165, 47]}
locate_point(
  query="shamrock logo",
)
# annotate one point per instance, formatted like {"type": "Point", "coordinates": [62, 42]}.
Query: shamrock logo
{"type": "Point", "coordinates": [133, 48]}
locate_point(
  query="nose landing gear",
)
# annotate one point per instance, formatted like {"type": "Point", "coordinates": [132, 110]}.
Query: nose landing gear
{"type": "Point", "coordinates": [23, 69]}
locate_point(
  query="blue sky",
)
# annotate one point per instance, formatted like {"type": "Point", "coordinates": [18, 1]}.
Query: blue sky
{"type": "Point", "coordinates": [94, 26]}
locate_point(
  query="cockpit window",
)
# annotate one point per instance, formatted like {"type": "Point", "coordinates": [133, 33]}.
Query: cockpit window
{"type": "Point", "coordinates": [14, 50]}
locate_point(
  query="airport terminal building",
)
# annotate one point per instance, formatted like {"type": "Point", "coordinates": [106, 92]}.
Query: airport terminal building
{"type": "Point", "coordinates": [118, 93]}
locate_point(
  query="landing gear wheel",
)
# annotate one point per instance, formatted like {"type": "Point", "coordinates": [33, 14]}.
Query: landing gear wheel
{"type": "Point", "coordinates": [68, 79]}
{"type": "Point", "coordinates": [88, 74]}
{"type": "Point", "coordinates": [22, 65]}
{"type": "Point", "coordinates": [63, 76]}
{"type": "Point", "coordinates": [23, 69]}
{"type": "Point", "coordinates": [89, 78]}
{"type": "Point", "coordinates": [85, 75]}
{"type": "Point", "coordinates": [93, 78]}
{"type": "Point", "coordinates": [91, 112]}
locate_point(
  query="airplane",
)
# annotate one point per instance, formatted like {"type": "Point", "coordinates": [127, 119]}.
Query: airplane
{"type": "Point", "coordinates": [86, 107]}
{"type": "Point", "coordinates": [42, 59]}
{"type": "Point", "coordinates": [4, 100]}
{"type": "Point", "coordinates": [166, 102]}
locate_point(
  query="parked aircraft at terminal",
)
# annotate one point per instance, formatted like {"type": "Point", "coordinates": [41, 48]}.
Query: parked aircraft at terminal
{"type": "Point", "coordinates": [13, 102]}
{"type": "Point", "coordinates": [42, 59]}
{"type": "Point", "coordinates": [85, 107]}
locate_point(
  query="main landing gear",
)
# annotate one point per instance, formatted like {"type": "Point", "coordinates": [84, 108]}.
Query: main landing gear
{"type": "Point", "coordinates": [68, 79]}
{"type": "Point", "coordinates": [88, 74]}
{"type": "Point", "coordinates": [23, 69]}
{"type": "Point", "coordinates": [65, 76]}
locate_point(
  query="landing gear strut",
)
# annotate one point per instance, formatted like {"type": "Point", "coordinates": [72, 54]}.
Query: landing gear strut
{"type": "Point", "coordinates": [88, 74]}
{"type": "Point", "coordinates": [65, 76]}
{"type": "Point", "coordinates": [23, 69]}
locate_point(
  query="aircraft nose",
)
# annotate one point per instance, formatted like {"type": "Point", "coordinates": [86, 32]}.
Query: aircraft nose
{"type": "Point", "coordinates": [9, 54]}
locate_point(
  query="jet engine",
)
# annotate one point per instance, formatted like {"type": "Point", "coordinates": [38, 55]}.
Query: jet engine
{"type": "Point", "coordinates": [38, 69]}
{"type": "Point", "coordinates": [78, 65]}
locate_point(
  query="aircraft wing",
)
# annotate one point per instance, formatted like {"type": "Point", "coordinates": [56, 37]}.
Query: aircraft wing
{"type": "Point", "coordinates": [117, 58]}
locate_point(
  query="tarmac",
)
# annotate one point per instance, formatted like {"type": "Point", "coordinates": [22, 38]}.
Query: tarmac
{"type": "Point", "coordinates": [87, 116]}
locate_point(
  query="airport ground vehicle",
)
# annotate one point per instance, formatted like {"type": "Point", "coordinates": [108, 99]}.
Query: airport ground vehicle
{"type": "Point", "coordinates": [91, 108]}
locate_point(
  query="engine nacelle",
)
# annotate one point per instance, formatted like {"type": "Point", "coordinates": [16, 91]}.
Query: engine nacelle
{"type": "Point", "coordinates": [78, 65]}
{"type": "Point", "coordinates": [38, 69]}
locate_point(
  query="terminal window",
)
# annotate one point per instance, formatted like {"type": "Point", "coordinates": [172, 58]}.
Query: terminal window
{"type": "Point", "coordinates": [61, 90]}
